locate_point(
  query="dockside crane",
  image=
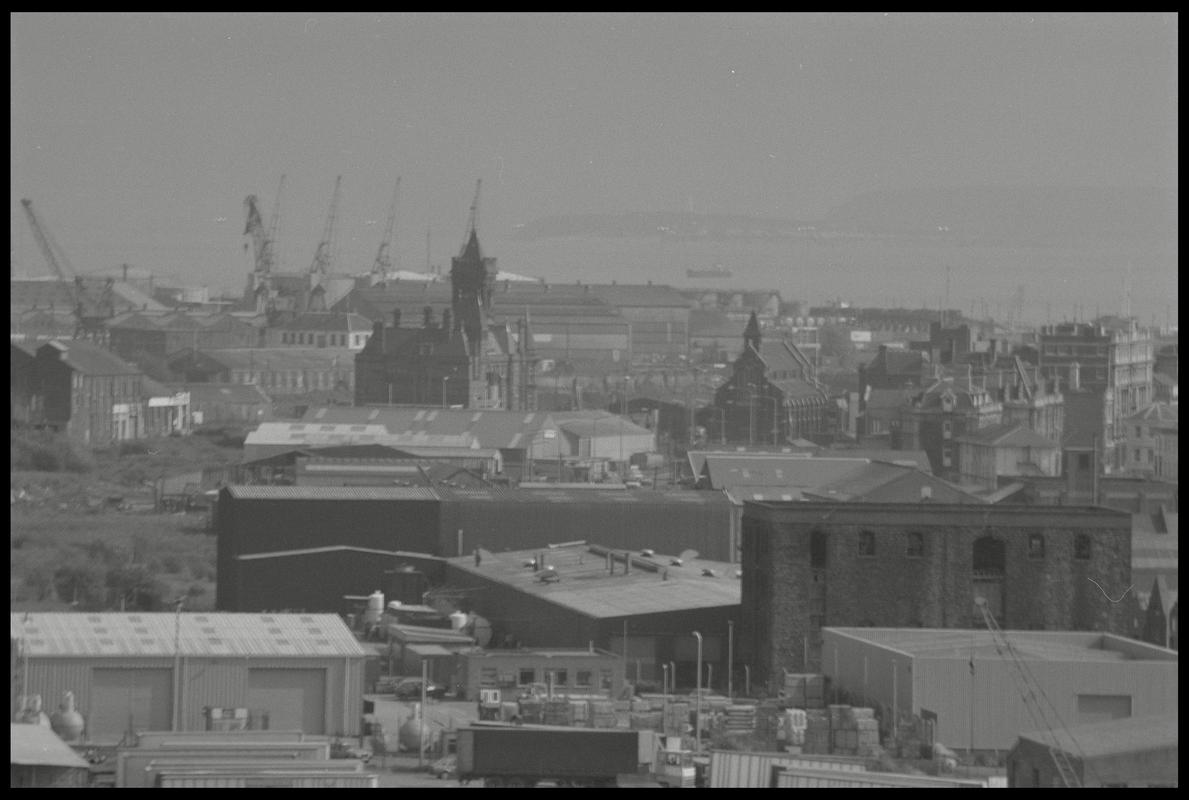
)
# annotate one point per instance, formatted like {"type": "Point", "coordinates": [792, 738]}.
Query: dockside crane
{"type": "Point", "coordinates": [88, 316]}
{"type": "Point", "coordinates": [323, 256]}
{"type": "Point", "coordinates": [1041, 710]}
{"type": "Point", "coordinates": [383, 264]}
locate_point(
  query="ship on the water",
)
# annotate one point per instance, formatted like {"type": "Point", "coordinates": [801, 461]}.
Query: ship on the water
{"type": "Point", "coordinates": [717, 271]}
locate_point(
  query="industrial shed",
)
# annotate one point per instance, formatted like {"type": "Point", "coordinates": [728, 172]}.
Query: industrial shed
{"type": "Point", "coordinates": [162, 671]}
{"type": "Point", "coordinates": [270, 519]}
{"type": "Point", "coordinates": [38, 758]}
{"type": "Point", "coordinates": [320, 579]}
{"type": "Point", "coordinates": [513, 519]}
{"type": "Point", "coordinates": [585, 595]}
{"type": "Point", "coordinates": [1133, 752]}
{"type": "Point", "coordinates": [1089, 677]}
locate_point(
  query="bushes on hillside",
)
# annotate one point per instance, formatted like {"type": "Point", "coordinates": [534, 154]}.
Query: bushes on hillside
{"type": "Point", "coordinates": [44, 451]}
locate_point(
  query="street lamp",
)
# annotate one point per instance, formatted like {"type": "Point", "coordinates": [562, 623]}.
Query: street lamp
{"type": "Point", "coordinates": [698, 707]}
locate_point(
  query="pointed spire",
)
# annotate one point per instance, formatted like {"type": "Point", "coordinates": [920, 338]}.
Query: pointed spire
{"type": "Point", "coordinates": [751, 334]}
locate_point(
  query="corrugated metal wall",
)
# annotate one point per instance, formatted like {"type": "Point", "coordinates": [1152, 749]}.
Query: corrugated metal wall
{"type": "Point", "coordinates": [999, 712]}
{"type": "Point", "coordinates": [213, 682]}
{"type": "Point", "coordinates": [865, 670]}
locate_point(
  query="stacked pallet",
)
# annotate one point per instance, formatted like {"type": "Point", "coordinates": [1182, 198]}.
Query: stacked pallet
{"type": "Point", "coordinates": [579, 713]}
{"type": "Point", "coordinates": [530, 711]}
{"type": "Point", "coordinates": [805, 690]}
{"type": "Point", "coordinates": [509, 709]}
{"type": "Point", "coordinates": [853, 731]}
{"type": "Point", "coordinates": [557, 712]}
{"type": "Point", "coordinates": [645, 720]}
{"type": "Point", "coordinates": [677, 719]}
{"type": "Point", "coordinates": [794, 723]}
{"type": "Point", "coordinates": [602, 714]}
{"type": "Point", "coordinates": [740, 718]}
{"type": "Point", "coordinates": [817, 733]}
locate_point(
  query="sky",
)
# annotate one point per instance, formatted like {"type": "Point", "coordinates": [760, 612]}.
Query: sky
{"type": "Point", "coordinates": [138, 136]}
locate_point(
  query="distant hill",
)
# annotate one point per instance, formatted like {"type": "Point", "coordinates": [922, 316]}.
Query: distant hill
{"type": "Point", "coordinates": [972, 214]}
{"type": "Point", "coordinates": [1018, 215]}
{"type": "Point", "coordinates": [657, 224]}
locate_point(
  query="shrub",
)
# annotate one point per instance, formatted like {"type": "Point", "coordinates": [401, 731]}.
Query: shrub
{"type": "Point", "coordinates": [133, 449]}
{"type": "Point", "coordinates": [45, 451]}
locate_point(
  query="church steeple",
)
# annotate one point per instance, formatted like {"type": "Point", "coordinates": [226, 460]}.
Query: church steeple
{"type": "Point", "coordinates": [751, 334]}
{"type": "Point", "coordinates": [471, 279]}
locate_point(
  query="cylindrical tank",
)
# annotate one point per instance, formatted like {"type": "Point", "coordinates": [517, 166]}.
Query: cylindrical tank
{"type": "Point", "coordinates": [458, 620]}
{"type": "Point", "coordinates": [66, 721]}
{"type": "Point", "coordinates": [375, 608]}
{"type": "Point", "coordinates": [412, 729]}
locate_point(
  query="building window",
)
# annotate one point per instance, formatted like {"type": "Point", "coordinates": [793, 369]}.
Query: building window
{"type": "Point", "coordinates": [817, 550]}
{"type": "Point", "coordinates": [605, 680]}
{"type": "Point", "coordinates": [916, 545]}
{"type": "Point", "coordinates": [866, 543]}
{"type": "Point", "coordinates": [584, 679]}
{"type": "Point", "coordinates": [527, 675]}
{"type": "Point", "coordinates": [1081, 547]}
{"type": "Point", "coordinates": [1036, 545]}
{"type": "Point", "coordinates": [561, 677]}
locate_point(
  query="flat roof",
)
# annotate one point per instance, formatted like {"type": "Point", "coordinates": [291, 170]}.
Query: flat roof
{"type": "Point", "coordinates": [1058, 646]}
{"type": "Point", "coordinates": [1128, 735]}
{"type": "Point", "coordinates": [331, 492]}
{"type": "Point", "coordinates": [655, 584]}
{"type": "Point", "coordinates": [57, 635]}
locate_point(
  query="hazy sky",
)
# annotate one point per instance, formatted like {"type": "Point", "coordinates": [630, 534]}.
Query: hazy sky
{"type": "Point", "coordinates": [138, 135]}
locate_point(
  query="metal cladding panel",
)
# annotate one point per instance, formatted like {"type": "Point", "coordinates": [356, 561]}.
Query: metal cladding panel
{"type": "Point", "coordinates": [741, 770]}
{"type": "Point", "coordinates": [668, 527]}
{"type": "Point", "coordinates": [315, 582]}
{"type": "Point", "coordinates": [1000, 715]}
{"type": "Point", "coordinates": [123, 699]}
{"type": "Point", "coordinates": [214, 683]}
{"type": "Point", "coordinates": [293, 698]}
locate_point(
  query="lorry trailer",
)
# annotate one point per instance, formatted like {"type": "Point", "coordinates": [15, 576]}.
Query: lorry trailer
{"type": "Point", "coordinates": [525, 755]}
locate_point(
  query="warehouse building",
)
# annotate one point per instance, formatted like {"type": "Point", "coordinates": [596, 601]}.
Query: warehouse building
{"type": "Point", "coordinates": [273, 541]}
{"type": "Point", "coordinates": [1133, 752]}
{"type": "Point", "coordinates": [642, 606]}
{"type": "Point", "coordinates": [38, 758]}
{"type": "Point", "coordinates": [960, 681]}
{"type": "Point", "coordinates": [152, 672]}
{"type": "Point", "coordinates": [809, 565]}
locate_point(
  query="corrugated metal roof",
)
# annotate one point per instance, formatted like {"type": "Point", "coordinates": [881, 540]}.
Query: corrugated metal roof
{"type": "Point", "coordinates": [39, 746]}
{"type": "Point", "coordinates": [1128, 735]}
{"type": "Point", "coordinates": [585, 586]}
{"type": "Point", "coordinates": [91, 359]}
{"type": "Point", "coordinates": [153, 635]}
{"type": "Point", "coordinates": [332, 493]}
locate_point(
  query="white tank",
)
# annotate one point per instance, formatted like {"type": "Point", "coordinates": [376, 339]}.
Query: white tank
{"type": "Point", "coordinates": [458, 620]}
{"type": "Point", "coordinates": [412, 729]}
{"type": "Point", "coordinates": [375, 608]}
{"type": "Point", "coordinates": [66, 721]}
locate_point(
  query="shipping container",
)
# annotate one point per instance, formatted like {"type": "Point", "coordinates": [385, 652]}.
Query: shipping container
{"type": "Point", "coordinates": [518, 756]}
{"type": "Point", "coordinates": [798, 778]}
{"type": "Point", "coordinates": [731, 769]}
{"type": "Point", "coordinates": [237, 766]}
{"type": "Point", "coordinates": [130, 764]}
{"type": "Point", "coordinates": [199, 779]}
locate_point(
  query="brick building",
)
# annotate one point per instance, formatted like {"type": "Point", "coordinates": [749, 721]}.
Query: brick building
{"type": "Point", "coordinates": [466, 360]}
{"type": "Point", "coordinates": [947, 409]}
{"type": "Point", "coordinates": [773, 394]}
{"type": "Point", "coordinates": [809, 565]}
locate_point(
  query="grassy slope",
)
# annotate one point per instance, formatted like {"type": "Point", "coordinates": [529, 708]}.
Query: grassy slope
{"type": "Point", "coordinates": [62, 520]}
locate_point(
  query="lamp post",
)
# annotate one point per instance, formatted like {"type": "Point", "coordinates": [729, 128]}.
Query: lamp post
{"type": "Point", "coordinates": [698, 707]}
{"type": "Point", "coordinates": [730, 659]}
{"type": "Point", "coordinates": [444, 379]}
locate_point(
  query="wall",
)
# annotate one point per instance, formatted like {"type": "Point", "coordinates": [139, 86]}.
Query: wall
{"type": "Point", "coordinates": [1154, 767]}
{"type": "Point", "coordinates": [218, 681]}
{"type": "Point", "coordinates": [786, 601]}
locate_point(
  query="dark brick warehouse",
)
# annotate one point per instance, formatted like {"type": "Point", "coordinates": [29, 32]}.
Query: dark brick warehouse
{"type": "Point", "coordinates": [811, 565]}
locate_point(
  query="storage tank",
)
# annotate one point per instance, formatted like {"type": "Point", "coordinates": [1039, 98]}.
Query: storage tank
{"type": "Point", "coordinates": [374, 610]}
{"type": "Point", "coordinates": [66, 721]}
{"type": "Point", "coordinates": [458, 620]}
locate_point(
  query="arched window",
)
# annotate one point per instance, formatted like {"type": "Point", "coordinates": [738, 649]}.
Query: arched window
{"type": "Point", "coordinates": [817, 549]}
{"type": "Point", "coordinates": [916, 545]}
{"type": "Point", "coordinates": [990, 556]}
{"type": "Point", "coordinates": [1082, 549]}
{"type": "Point", "coordinates": [1036, 545]}
{"type": "Point", "coordinates": [866, 543]}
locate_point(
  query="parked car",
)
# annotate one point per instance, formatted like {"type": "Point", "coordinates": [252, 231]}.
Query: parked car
{"type": "Point", "coordinates": [410, 689]}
